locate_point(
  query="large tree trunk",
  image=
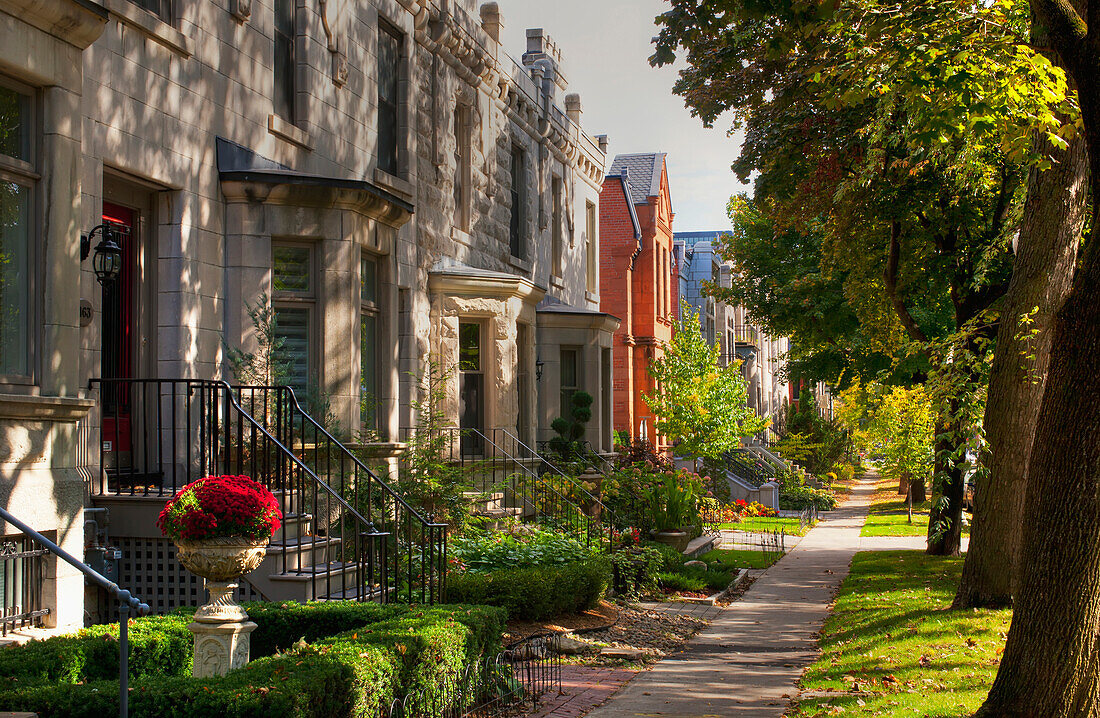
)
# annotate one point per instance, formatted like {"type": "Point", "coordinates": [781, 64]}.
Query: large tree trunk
{"type": "Point", "coordinates": [1054, 217]}
{"type": "Point", "coordinates": [1051, 663]}
{"type": "Point", "coordinates": [945, 515]}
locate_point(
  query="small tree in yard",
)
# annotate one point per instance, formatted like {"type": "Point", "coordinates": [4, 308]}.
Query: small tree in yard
{"type": "Point", "coordinates": [568, 444]}
{"type": "Point", "coordinates": [697, 403]}
{"type": "Point", "coordinates": [904, 425]}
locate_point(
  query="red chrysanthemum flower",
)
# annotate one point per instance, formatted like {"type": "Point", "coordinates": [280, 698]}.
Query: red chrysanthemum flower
{"type": "Point", "coordinates": [221, 506]}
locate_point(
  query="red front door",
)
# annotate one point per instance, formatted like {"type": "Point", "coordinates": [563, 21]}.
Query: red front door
{"type": "Point", "coordinates": [118, 334]}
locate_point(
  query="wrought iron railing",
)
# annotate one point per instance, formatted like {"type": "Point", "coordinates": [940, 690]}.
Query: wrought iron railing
{"type": "Point", "coordinates": [22, 571]}
{"type": "Point", "coordinates": [415, 548]}
{"type": "Point", "coordinates": [491, 467]}
{"type": "Point", "coordinates": [346, 535]}
{"type": "Point", "coordinates": [579, 452]}
{"type": "Point", "coordinates": [746, 334]}
{"type": "Point", "coordinates": [126, 603]}
{"type": "Point", "coordinates": [550, 472]}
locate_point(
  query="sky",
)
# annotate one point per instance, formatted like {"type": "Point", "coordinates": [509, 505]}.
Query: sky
{"type": "Point", "coordinates": [605, 47]}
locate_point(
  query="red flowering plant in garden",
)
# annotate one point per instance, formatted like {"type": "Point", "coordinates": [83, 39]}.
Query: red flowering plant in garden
{"type": "Point", "coordinates": [221, 506]}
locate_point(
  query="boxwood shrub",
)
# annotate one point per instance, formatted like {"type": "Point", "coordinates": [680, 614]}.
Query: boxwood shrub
{"type": "Point", "coordinates": [535, 593]}
{"type": "Point", "coordinates": [384, 652]}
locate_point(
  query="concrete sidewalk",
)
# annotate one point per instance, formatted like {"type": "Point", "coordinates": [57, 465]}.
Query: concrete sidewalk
{"type": "Point", "coordinates": [748, 662]}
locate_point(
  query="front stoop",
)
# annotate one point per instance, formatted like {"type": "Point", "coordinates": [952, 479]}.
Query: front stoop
{"type": "Point", "coordinates": [699, 546]}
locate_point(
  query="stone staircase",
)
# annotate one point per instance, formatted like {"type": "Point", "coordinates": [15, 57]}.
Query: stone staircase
{"type": "Point", "coordinates": [306, 564]}
{"type": "Point", "coordinates": [491, 509]}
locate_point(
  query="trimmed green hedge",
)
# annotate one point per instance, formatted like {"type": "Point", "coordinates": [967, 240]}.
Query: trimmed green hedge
{"type": "Point", "coordinates": [389, 652]}
{"type": "Point", "coordinates": [535, 593]}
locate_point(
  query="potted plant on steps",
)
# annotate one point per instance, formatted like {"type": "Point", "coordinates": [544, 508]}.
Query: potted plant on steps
{"type": "Point", "coordinates": [672, 507]}
{"type": "Point", "coordinates": [221, 526]}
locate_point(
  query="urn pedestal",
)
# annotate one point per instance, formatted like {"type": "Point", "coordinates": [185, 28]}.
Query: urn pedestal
{"type": "Point", "coordinates": [221, 627]}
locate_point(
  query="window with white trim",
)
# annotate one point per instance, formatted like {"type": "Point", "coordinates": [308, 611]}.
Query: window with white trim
{"type": "Point", "coordinates": [591, 249]}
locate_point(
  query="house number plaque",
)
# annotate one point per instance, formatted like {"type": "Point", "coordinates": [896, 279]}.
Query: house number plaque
{"type": "Point", "coordinates": [86, 312]}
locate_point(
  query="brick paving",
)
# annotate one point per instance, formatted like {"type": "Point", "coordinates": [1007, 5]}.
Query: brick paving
{"type": "Point", "coordinates": [582, 689]}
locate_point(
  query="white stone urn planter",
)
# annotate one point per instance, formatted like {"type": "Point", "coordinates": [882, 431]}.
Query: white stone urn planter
{"type": "Point", "coordinates": [221, 627]}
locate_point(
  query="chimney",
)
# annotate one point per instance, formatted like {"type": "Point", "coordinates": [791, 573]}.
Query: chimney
{"type": "Point", "coordinates": [491, 20]}
{"type": "Point", "coordinates": [602, 141]}
{"type": "Point", "coordinates": [541, 46]}
{"type": "Point", "coordinates": [573, 108]}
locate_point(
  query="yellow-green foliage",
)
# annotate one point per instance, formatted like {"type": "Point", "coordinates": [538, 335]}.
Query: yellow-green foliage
{"type": "Point", "coordinates": [904, 425]}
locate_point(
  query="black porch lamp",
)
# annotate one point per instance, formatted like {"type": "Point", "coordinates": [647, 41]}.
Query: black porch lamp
{"type": "Point", "coordinates": [538, 370]}
{"type": "Point", "coordinates": [107, 261]}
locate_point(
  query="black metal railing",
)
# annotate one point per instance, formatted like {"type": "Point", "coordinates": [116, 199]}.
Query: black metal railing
{"type": "Point", "coordinates": [345, 536]}
{"type": "Point", "coordinates": [490, 467]}
{"type": "Point", "coordinates": [414, 551]}
{"type": "Point", "coordinates": [126, 603]}
{"type": "Point", "coordinates": [746, 334]}
{"type": "Point", "coordinates": [22, 570]}
{"type": "Point", "coordinates": [494, 686]}
{"type": "Point", "coordinates": [579, 452]}
{"type": "Point", "coordinates": [807, 517]}
{"type": "Point", "coordinates": [744, 469]}
{"type": "Point", "coordinates": [550, 472]}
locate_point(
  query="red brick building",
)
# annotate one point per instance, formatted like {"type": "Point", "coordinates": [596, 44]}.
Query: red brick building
{"type": "Point", "coordinates": [638, 279]}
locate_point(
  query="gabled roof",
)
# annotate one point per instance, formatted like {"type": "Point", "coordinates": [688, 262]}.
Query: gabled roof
{"type": "Point", "coordinates": [645, 174]}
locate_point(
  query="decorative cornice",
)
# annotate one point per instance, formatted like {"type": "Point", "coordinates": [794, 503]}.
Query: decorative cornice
{"type": "Point", "coordinates": [490, 285]}
{"type": "Point", "coordinates": [77, 22]}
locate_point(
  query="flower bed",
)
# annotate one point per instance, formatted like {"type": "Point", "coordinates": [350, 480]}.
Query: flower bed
{"type": "Point", "coordinates": [356, 658]}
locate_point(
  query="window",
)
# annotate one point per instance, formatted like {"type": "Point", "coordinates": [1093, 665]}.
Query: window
{"type": "Point", "coordinates": [557, 240]}
{"type": "Point", "coordinates": [389, 84]}
{"type": "Point", "coordinates": [160, 8]}
{"type": "Point", "coordinates": [471, 386]}
{"type": "Point", "coordinates": [370, 405]}
{"type": "Point", "coordinates": [462, 167]}
{"type": "Point", "coordinates": [591, 249]}
{"type": "Point", "coordinates": [293, 299]}
{"type": "Point", "coordinates": [284, 67]}
{"type": "Point", "coordinates": [570, 379]}
{"type": "Point", "coordinates": [16, 218]}
{"type": "Point", "coordinates": [523, 383]}
{"type": "Point", "coordinates": [516, 228]}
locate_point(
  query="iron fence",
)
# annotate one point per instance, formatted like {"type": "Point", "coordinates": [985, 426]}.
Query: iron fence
{"type": "Point", "coordinates": [807, 517]}
{"type": "Point", "coordinates": [510, 683]}
{"type": "Point", "coordinates": [22, 570]}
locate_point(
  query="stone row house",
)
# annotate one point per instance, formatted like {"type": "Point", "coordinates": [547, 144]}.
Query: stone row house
{"type": "Point", "coordinates": [380, 174]}
{"type": "Point", "coordinates": [729, 326]}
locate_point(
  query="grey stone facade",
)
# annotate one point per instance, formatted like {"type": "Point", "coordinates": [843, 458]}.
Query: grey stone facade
{"type": "Point", "coordinates": [170, 125]}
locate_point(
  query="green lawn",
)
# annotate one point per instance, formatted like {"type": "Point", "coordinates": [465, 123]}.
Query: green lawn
{"type": "Point", "coordinates": [890, 518]}
{"type": "Point", "coordinates": [739, 558]}
{"type": "Point", "coordinates": [759, 524]}
{"type": "Point", "coordinates": [892, 638]}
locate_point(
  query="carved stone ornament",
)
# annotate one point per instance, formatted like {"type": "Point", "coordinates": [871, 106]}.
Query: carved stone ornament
{"type": "Point", "coordinates": [221, 627]}
{"type": "Point", "coordinates": [242, 9]}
